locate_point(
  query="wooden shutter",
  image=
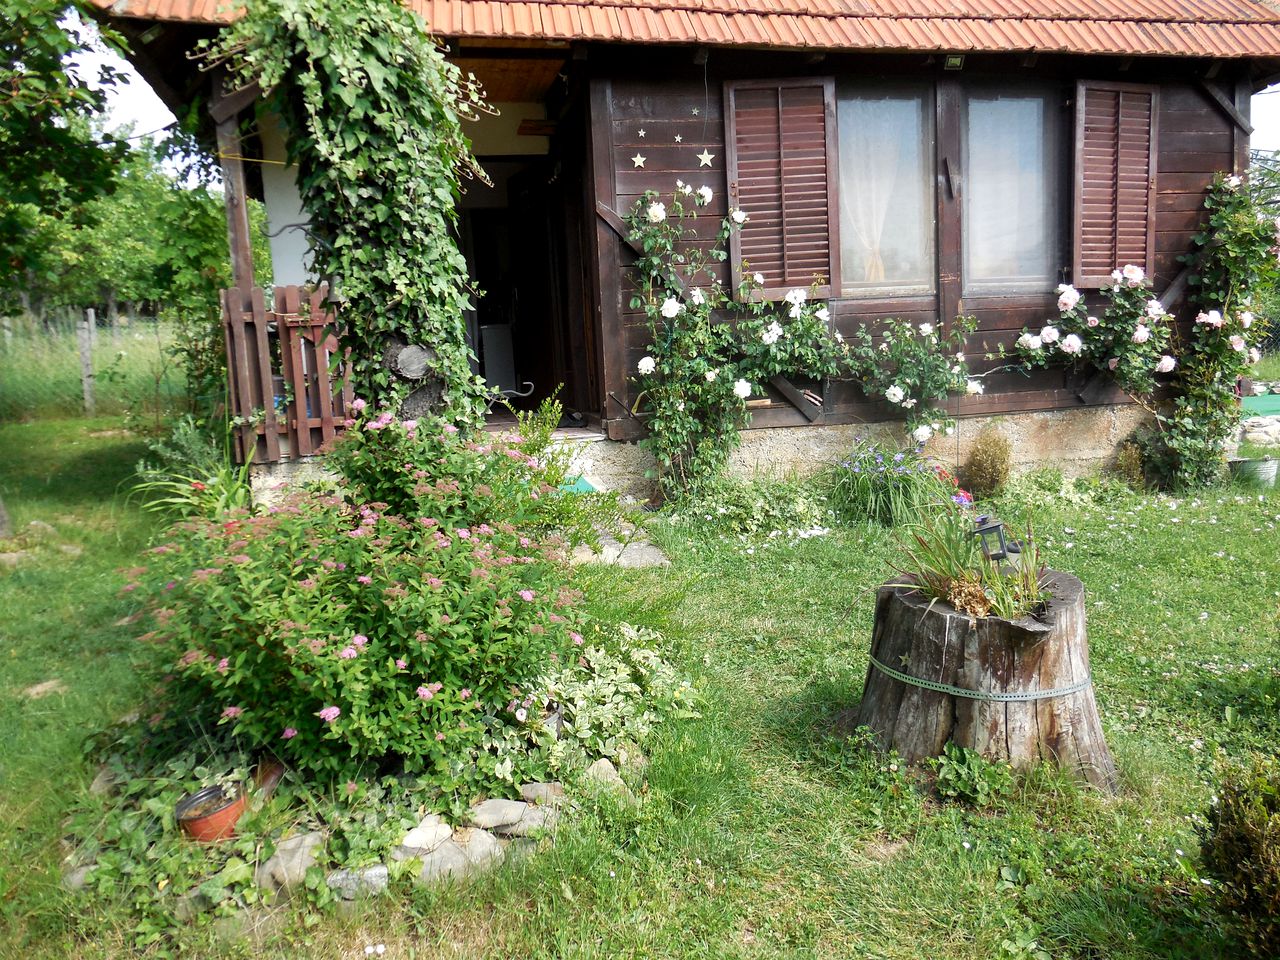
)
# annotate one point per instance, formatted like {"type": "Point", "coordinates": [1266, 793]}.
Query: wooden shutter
{"type": "Point", "coordinates": [1115, 179]}
{"type": "Point", "coordinates": [780, 140]}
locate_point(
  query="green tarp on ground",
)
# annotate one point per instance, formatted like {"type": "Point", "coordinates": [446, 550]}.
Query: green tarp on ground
{"type": "Point", "coordinates": [1268, 405]}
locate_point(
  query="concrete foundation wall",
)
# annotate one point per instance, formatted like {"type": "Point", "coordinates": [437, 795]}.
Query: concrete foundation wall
{"type": "Point", "coordinates": [1073, 441]}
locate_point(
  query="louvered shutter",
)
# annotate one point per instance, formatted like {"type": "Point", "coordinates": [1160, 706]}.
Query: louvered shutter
{"type": "Point", "coordinates": [1115, 179]}
{"type": "Point", "coordinates": [780, 139]}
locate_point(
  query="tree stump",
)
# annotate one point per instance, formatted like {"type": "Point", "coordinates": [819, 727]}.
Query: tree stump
{"type": "Point", "coordinates": [1012, 690]}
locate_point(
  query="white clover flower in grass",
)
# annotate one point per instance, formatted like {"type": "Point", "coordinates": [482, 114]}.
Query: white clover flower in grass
{"type": "Point", "coordinates": [1068, 297]}
{"type": "Point", "coordinates": [973, 387]}
{"type": "Point", "coordinates": [772, 334]}
{"type": "Point", "coordinates": [656, 213]}
{"type": "Point", "coordinates": [711, 376]}
{"type": "Point", "coordinates": [738, 216]}
{"type": "Point", "coordinates": [922, 433]}
{"type": "Point", "coordinates": [647, 365]}
{"type": "Point", "coordinates": [1071, 344]}
{"type": "Point", "coordinates": [895, 394]}
{"type": "Point", "coordinates": [704, 195]}
{"type": "Point", "coordinates": [1141, 333]}
{"type": "Point", "coordinates": [696, 297]}
{"type": "Point", "coordinates": [741, 389]}
{"type": "Point", "coordinates": [671, 308]}
{"type": "Point", "coordinates": [1155, 309]}
{"type": "Point", "coordinates": [1133, 274]}
{"type": "Point", "coordinates": [1166, 364]}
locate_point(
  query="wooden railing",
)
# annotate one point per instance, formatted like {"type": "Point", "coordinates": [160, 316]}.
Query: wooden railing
{"type": "Point", "coordinates": [280, 363]}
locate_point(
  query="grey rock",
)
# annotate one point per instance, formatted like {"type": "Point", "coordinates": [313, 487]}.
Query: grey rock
{"type": "Point", "coordinates": [190, 905]}
{"type": "Point", "coordinates": [535, 820]}
{"type": "Point", "coordinates": [633, 554]}
{"type": "Point", "coordinates": [13, 557]}
{"type": "Point", "coordinates": [423, 838]}
{"type": "Point", "coordinates": [469, 851]}
{"type": "Point", "coordinates": [287, 867]}
{"type": "Point", "coordinates": [40, 530]}
{"type": "Point", "coordinates": [546, 793]}
{"type": "Point", "coordinates": [77, 879]}
{"type": "Point", "coordinates": [105, 783]}
{"type": "Point", "coordinates": [522, 847]}
{"type": "Point", "coordinates": [364, 882]}
{"type": "Point", "coordinates": [604, 776]}
{"type": "Point", "coordinates": [496, 813]}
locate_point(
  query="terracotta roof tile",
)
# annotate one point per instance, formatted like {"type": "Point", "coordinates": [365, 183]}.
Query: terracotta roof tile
{"type": "Point", "coordinates": [1220, 28]}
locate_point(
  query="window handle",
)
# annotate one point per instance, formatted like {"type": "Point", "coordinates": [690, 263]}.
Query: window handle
{"type": "Point", "coordinates": [953, 179]}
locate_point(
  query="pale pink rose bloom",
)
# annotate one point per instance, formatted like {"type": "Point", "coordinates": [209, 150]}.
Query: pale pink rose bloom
{"type": "Point", "coordinates": [1141, 334]}
{"type": "Point", "coordinates": [1091, 322]}
{"type": "Point", "coordinates": [1237, 343]}
{"type": "Point", "coordinates": [1166, 364]}
{"type": "Point", "coordinates": [1113, 363]}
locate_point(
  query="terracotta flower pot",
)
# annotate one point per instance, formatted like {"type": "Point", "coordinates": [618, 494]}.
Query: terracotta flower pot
{"type": "Point", "coordinates": [209, 815]}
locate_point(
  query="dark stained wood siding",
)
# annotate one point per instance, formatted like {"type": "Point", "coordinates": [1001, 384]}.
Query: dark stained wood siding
{"type": "Point", "coordinates": [1195, 140]}
{"type": "Point", "coordinates": [779, 134]}
{"type": "Point", "coordinates": [1115, 157]}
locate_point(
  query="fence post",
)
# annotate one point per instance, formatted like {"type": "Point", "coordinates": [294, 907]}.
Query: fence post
{"type": "Point", "coordinates": [85, 338]}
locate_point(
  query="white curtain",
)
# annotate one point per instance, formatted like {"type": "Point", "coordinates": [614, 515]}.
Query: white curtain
{"type": "Point", "coordinates": [886, 182]}
{"type": "Point", "coordinates": [1011, 191]}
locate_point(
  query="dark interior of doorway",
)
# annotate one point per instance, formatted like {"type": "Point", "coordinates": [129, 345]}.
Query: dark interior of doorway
{"type": "Point", "coordinates": [514, 240]}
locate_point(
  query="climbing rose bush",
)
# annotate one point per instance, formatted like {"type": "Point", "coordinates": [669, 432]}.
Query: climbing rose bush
{"type": "Point", "coordinates": [343, 637]}
{"type": "Point", "coordinates": [1128, 337]}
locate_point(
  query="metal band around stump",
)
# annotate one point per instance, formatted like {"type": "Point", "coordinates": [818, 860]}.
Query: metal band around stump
{"type": "Point", "coordinates": [995, 697]}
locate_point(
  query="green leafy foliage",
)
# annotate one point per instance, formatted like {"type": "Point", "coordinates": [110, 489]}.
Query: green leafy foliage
{"type": "Point", "coordinates": [374, 114]}
{"type": "Point", "coordinates": [879, 485]}
{"type": "Point", "coordinates": [969, 777]}
{"type": "Point", "coordinates": [1242, 849]}
{"type": "Point", "coordinates": [761, 507]}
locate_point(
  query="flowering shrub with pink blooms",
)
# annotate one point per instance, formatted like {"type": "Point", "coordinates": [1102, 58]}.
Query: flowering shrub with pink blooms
{"type": "Point", "coordinates": [1127, 335]}
{"type": "Point", "coordinates": [345, 637]}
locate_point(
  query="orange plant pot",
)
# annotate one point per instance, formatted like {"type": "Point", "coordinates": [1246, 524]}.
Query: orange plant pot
{"type": "Point", "coordinates": [208, 815]}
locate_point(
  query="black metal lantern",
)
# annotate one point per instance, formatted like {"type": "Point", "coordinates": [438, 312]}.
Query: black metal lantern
{"type": "Point", "coordinates": [990, 534]}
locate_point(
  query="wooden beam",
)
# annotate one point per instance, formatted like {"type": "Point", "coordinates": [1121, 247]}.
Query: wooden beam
{"type": "Point", "coordinates": [811, 411]}
{"type": "Point", "coordinates": [1176, 290]}
{"type": "Point", "coordinates": [225, 104]}
{"type": "Point", "coordinates": [1226, 106]}
{"type": "Point", "coordinates": [235, 195]}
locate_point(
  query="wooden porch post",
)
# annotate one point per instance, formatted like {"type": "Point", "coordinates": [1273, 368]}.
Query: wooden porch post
{"type": "Point", "coordinates": [225, 108]}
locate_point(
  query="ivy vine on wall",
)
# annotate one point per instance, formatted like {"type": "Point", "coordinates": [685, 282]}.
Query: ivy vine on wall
{"type": "Point", "coordinates": [374, 115]}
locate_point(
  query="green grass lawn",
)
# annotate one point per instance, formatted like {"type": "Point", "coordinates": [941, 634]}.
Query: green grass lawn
{"type": "Point", "coordinates": [764, 834]}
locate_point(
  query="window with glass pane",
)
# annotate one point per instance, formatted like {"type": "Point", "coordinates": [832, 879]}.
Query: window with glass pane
{"type": "Point", "coordinates": [886, 189]}
{"type": "Point", "coordinates": [1012, 201]}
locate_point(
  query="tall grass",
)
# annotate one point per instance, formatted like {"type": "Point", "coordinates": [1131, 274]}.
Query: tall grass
{"type": "Point", "coordinates": [1268, 368]}
{"type": "Point", "coordinates": [40, 373]}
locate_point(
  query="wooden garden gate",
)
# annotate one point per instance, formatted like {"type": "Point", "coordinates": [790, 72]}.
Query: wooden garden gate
{"type": "Point", "coordinates": [285, 399]}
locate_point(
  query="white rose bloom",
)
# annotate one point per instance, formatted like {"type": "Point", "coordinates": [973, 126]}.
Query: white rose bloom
{"type": "Point", "coordinates": [1035, 343]}
{"type": "Point", "coordinates": [711, 376]}
{"type": "Point", "coordinates": [908, 403]}
{"type": "Point", "coordinates": [1211, 319]}
{"type": "Point", "coordinates": [956, 368]}
{"type": "Point", "coordinates": [771, 334]}
{"type": "Point", "coordinates": [926, 329]}
{"type": "Point", "coordinates": [1071, 344]}
{"type": "Point", "coordinates": [680, 406]}
{"type": "Point", "coordinates": [1237, 343]}
{"type": "Point", "coordinates": [823, 314]}
{"type": "Point", "coordinates": [1155, 309]}
{"type": "Point", "coordinates": [739, 216]}
{"type": "Point", "coordinates": [1165, 364]}
{"type": "Point", "coordinates": [1255, 355]}
{"type": "Point", "coordinates": [1068, 297]}
{"type": "Point", "coordinates": [950, 430]}
{"type": "Point", "coordinates": [671, 308]}
{"type": "Point", "coordinates": [647, 365]}
{"type": "Point", "coordinates": [922, 433]}
{"type": "Point", "coordinates": [1246, 320]}
{"type": "Point", "coordinates": [1141, 334]}
{"type": "Point", "coordinates": [1117, 276]}
{"type": "Point", "coordinates": [759, 279]}
{"type": "Point", "coordinates": [974, 387]}
{"type": "Point", "coordinates": [1049, 335]}
{"type": "Point", "coordinates": [704, 194]}
{"type": "Point", "coordinates": [696, 297]}
{"type": "Point", "coordinates": [960, 356]}
{"type": "Point", "coordinates": [1234, 182]}
{"type": "Point", "coordinates": [1133, 274]}
{"type": "Point", "coordinates": [1091, 321]}
{"type": "Point", "coordinates": [684, 188]}
{"type": "Point", "coordinates": [741, 389]}
{"type": "Point", "coordinates": [894, 394]}
{"type": "Point", "coordinates": [1024, 341]}
{"type": "Point", "coordinates": [657, 212]}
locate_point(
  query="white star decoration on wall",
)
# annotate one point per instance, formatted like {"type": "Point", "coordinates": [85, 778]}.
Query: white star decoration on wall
{"type": "Point", "coordinates": [679, 139]}
{"type": "Point", "coordinates": [638, 160]}
{"type": "Point", "coordinates": [695, 111]}
{"type": "Point", "coordinates": [705, 158]}
{"type": "Point", "coordinates": [641, 133]}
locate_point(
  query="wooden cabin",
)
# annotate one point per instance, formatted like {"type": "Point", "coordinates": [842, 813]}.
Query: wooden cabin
{"type": "Point", "coordinates": [928, 158]}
